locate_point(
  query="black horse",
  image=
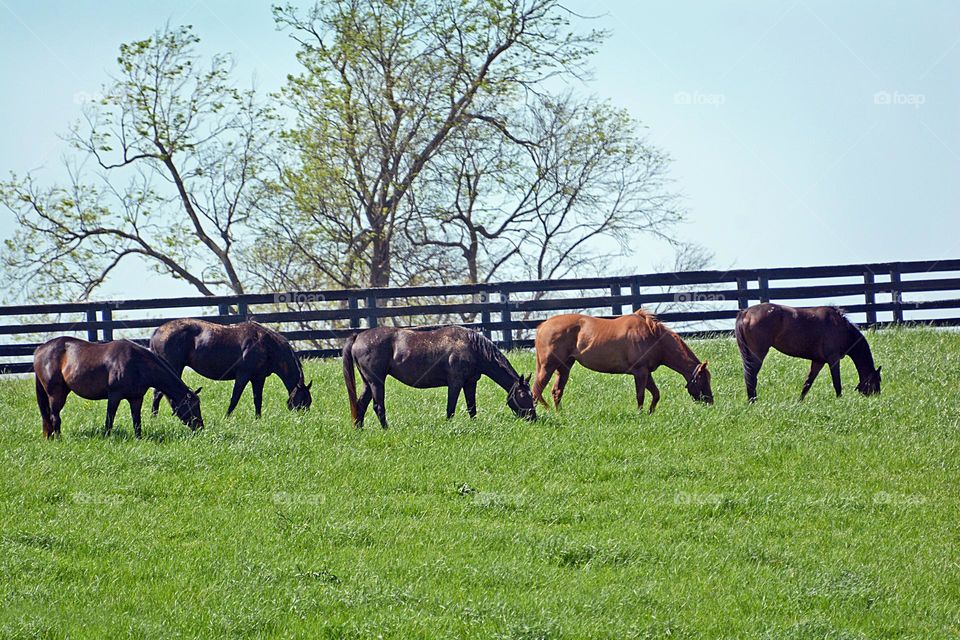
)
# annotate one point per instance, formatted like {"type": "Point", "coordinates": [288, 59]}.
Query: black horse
{"type": "Point", "coordinates": [451, 357]}
{"type": "Point", "coordinates": [245, 353]}
{"type": "Point", "coordinates": [112, 371]}
{"type": "Point", "coordinates": [823, 335]}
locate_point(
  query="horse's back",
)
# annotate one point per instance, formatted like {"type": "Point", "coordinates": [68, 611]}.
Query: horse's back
{"type": "Point", "coordinates": [813, 333]}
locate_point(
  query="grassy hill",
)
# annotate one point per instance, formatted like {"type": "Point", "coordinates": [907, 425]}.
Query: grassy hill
{"type": "Point", "coordinates": [835, 518]}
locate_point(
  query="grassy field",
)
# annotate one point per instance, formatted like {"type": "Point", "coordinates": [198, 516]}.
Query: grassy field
{"type": "Point", "coordinates": [835, 518]}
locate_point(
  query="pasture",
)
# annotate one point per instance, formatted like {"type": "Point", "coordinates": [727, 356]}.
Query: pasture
{"type": "Point", "coordinates": [835, 518]}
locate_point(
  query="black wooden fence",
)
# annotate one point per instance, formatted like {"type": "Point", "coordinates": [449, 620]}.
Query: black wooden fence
{"type": "Point", "coordinates": [693, 301]}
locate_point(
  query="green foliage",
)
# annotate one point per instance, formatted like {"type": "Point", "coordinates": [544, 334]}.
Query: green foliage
{"type": "Point", "coordinates": [834, 518]}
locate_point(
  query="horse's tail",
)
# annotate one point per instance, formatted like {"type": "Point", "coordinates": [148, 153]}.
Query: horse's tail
{"type": "Point", "coordinates": [43, 402]}
{"type": "Point", "coordinates": [349, 376]}
{"type": "Point", "coordinates": [751, 361]}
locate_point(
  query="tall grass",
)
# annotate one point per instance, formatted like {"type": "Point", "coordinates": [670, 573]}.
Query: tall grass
{"type": "Point", "coordinates": [833, 518]}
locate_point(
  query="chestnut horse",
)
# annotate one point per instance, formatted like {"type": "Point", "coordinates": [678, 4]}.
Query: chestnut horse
{"type": "Point", "coordinates": [822, 335]}
{"type": "Point", "coordinates": [111, 371]}
{"type": "Point", "coordinates": [245, 352]}
{"type": "Point", "coordinates": [635, 344]}
{"type": "Point", "coordinates": [451, 357]}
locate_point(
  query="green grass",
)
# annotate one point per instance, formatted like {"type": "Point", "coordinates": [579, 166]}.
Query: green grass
{"type": "Point", "coordinates": [835, 518]}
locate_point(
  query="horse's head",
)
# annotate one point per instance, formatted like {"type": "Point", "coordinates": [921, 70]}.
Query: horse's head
{"type": "Point", "coordinates": [699, 384]}
{"type": "Point", "coordinates": [870, 384]}
{"type": "Point", "coordinates": [188, 409]}
{"type": "Point", "coordinates": [300, 397]}
{"type": "Point", "coordinates": [520, 399]}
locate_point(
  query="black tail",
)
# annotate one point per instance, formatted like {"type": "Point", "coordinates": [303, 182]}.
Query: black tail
{"type": "Point", "coordinates": [349, 376]}
{"type": "Point", "coordinates": [751, 362]}
{"type": "Point", "coordinates": [43, 402]}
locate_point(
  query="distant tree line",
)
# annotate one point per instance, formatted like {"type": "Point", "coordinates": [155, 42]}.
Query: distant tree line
{"type": "Point", "coordinates": [420, 141]}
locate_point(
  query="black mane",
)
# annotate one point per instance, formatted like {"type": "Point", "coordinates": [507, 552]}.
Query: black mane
{"type": "Point", "coordinates": [489, 351]}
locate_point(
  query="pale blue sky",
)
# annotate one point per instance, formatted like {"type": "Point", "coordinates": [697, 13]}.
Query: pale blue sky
{"type": "Point", "coordinates": [769, 109]}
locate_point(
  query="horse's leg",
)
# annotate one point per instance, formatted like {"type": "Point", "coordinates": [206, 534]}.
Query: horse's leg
{"type": "Point", "coordinates": [113, 403]}
{"type": "Point", "coordinates": [257, 385]}
{"type": "Point", "coordinates": [654, 392]}
{"type": "Point", "coordinates": [58, 398]}
{"type": "Point", "coordinates": [362, 403]}
{"type": "Point", "coordinates": [453, 392]}
{"type": "Point", "coordinates": [751, 367]}
{"type": "Point", "coordinates": [470, 396]}
{"type": "Point", "coordinates": [546, 364]}
{"type": "Point", "coordinates": [835, 374]}
{"type": "Point", "coordinates": [238, 386]}
{"type": "Point", "coordinates": [157, 397]}
{"type": "Point", "coordinates": [563, 374]}
{"type": "Point", "coordinates": [136, 406]}
{"type": "Point", "coordinates": [377, 389]}
{"type": "Point", "coordinates": [815, 368]}
{"type": "Point", "coordinates": [640, 381]}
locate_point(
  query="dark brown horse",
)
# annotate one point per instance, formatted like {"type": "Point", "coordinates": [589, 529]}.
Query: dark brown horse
{"type": "Point", "coordinates": [111, 371]}
{"type": "Point", "coordinates": [635, 344]}
{"type": "Point", "coordinates": [822, 335]}
{"type": "Point", "coordinates": [451, 357]}
{"type": "Point", "coordinates": [245, 353]}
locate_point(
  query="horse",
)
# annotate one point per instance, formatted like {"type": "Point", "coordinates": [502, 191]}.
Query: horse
{"type": "Point", "coordinates": [635, 344]}
{"type": "Point", "coordinates": [451, 357]}
{"type": "Point", "coordinates": [823, 335]}
{"type": "Point", "coordinates": [246, 352]}
{"type": "Point", "coordinates": [111, 371]}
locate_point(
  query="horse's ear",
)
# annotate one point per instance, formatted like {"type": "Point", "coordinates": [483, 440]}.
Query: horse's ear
{"type": "Point", "coordinates": [527, 379]}
{"type": "Point", "coordinates": [878, 369]}
{"type": "Point", "coordinates": [198, 390]}
{"type": "Point", "coordinates": [704, 364]}
{"type": "Point", "coordinates": [310, 384]}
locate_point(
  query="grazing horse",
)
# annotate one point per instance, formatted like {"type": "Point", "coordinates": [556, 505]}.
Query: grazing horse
{"type": "Point", "coordinates": [111, 371]}
{"type": "Point", "coordinates": [635, 344]}
{"type": "Point", "coordinates": [451, 357]}
{"type": "Point", "coordinates": [822, 335]}
{"type": "Point", "coordinates": [245, 352]}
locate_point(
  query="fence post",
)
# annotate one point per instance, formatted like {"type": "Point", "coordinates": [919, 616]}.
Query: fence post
{"type": "Point", "coordinates": [223, 309]}
{"type": "Point", "coordinates": [506, 332]}
{"type": "Point", "coordinates": [617, 308]}
{"type": "Point", "coordinates": [371, 308]}
{"type": "Point", "coordinates": [870, 297]}
{"type": "Point", "coordinates": [635, 294]}
{"type": "Point", "coordinates": [242, 311]}
{"type": "Point", "coordinates": [485, 313]}
{"type": "Point", "coordinates": [91, 331]}
{"type": "Point", "coordinates": [896, 295]}
{"type": "Point", "coordinates": [742, 302]}
{"type": "Point", "coordinates": [106, 317]}
{"type": "Point", "coordinates": [763, 284]}
{"type": "Point", "coordinates": [354, 304]}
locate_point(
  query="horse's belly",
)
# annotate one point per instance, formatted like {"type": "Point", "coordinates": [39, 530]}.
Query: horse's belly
{"type": "Point", "coordinates": [436, 377]}
{"type": "Point", "coordinates": [215, 364]}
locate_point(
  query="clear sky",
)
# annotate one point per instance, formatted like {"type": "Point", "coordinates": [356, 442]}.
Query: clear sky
{"type": "Point", "coordinates": [803, 132]}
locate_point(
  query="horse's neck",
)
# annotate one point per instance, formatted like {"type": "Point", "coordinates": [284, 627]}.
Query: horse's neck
{"type": "Point", "coordinates": [502, 374]}
{"type": "Point", "coordinates": [286, 366]}
{"type": "Point", "coordinates": [859, 352]}
{"type": "Point", "coordinates": [679, 357]}
{"type": "Point", "coordinates": [166, 380]}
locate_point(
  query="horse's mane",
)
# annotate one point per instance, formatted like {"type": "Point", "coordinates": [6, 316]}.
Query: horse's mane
{"type": "Point", "coordinates": [653, 324]}
{"type": "Point", "coordinates": [485, 347]}
{"type": "Point", "coordinates": [281, 341]}
{"type": "Point", "coordinates": [163, 361]}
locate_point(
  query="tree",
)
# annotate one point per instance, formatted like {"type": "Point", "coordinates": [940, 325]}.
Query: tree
{"type": "Point", "coordinates": [565, 190]}
{"type": "Point", "coordinates": [166, 168]}
{"type": "Point", "coordinates": [386, 85]}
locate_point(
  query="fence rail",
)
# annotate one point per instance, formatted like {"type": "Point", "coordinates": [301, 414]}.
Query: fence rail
{"type": "Point", "coordinates": [876, 294]}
